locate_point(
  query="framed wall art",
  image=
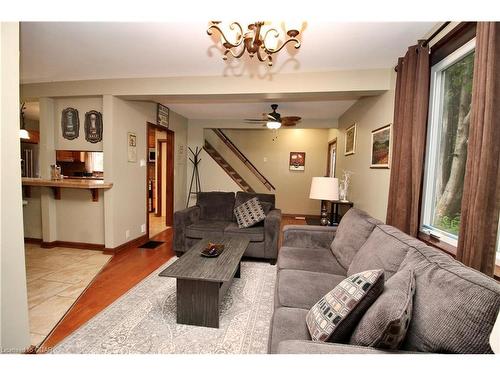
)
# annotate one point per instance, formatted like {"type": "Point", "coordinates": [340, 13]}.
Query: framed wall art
{"type": "Point", "coordinates": [381, 147]}
{"type": "Point", "coordinates": [297, 161]}
{"type": "Point", "coordinates": [132, 147]}
{"type": "Point", "coordinates": [93, 126]}
{"type": "Point", "coordinates": [350, 140]}
{"type": "Point", "coordinates": [70, 123]}
{"type": "Point", "coordinates": [162, 115]}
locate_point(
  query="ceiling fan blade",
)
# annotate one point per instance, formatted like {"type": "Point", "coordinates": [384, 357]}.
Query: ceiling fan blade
{"type": "Point", "coordinates": [291, 118]}
{"type": "Point", "coordinates": [254, 120]}
{"type": "Point", "coordinates": [288, 123]}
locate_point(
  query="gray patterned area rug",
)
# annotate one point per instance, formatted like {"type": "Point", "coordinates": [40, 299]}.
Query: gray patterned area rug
{"type": "Point", "coordinates": [144, 320]}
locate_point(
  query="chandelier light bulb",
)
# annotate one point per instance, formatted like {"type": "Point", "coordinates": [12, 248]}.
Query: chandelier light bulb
{"type": "Point", "coordinates": [273, 125]}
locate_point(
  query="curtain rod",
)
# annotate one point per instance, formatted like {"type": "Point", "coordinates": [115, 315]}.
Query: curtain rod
{"type": "Point", "coordinates": [434, 34]}
{"type": "Point", "coordinates": [441, 28]}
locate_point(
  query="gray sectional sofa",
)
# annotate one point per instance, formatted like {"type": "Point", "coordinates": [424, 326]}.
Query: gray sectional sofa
{"type": "Point", "coordinates": [213, 216]}
{"type": "Point", "coordinates": [454, 307]}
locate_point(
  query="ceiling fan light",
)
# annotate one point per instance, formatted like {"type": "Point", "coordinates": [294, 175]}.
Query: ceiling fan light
{"type": "Point", "coordinates": [23, 134]}
{"type": "Point", "coordinates": [273, 125]}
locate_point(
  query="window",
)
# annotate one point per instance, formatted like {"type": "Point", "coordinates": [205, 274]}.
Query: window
{"type": "Point", "coordinates": [448, 125]}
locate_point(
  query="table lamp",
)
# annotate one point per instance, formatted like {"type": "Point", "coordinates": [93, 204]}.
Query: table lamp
{"type": "Point", "coordinates": [324, 189]}
{"type": "Point", "coordinates": [495, 336]}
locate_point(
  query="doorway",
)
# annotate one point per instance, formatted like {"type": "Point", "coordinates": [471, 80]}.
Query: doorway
{"type": "Point", "coordinates": [160, 179]}
{"type": "Point", "coordinates": [331, 158]}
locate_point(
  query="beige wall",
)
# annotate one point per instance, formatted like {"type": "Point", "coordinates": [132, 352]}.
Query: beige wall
{"type": "Point", "coordinates": [179, 125]}
{"type": "Point", "coordinates": [126, 209]}
{"type": "Point", "coordinates": [75, 217]}
{"type": "Point", "coordinates": [369, 187]}
{"type": "Point", "coordinates": [32, 215]}
{"type": "Point", "coordinates": [271, 158]}
{"type": "Point", "coordinates": [14, 327]}
{"type": "Point", "coordinates": [83, 105]}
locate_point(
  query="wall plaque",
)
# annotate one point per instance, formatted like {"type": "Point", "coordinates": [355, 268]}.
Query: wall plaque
{"type": "Point", "coordinates": [93, 126]}
{"type": "Point", "coordinates": [297, 161]}
{"type": "Point", "coordinates": [70, 123]}
{"type": "Point", "coordinates": [162, 114]}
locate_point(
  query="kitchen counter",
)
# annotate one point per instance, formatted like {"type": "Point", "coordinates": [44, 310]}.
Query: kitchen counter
{"type": "Point", "coordinates": [92, 185]}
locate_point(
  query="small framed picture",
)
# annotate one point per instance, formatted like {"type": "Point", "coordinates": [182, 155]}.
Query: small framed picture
{"type": "Point", "coordinates": [132, 147]}
{"type": "Point", "coordinates": [381, 147]}
{"type": "Point", "coordinates": [350, 140]}
{"type": "Point", "coordinates": [162, 115]}
{"type": "Point", "coordinates": [70, 123]}
{"type": "Point", "coordinates": [297, 161]}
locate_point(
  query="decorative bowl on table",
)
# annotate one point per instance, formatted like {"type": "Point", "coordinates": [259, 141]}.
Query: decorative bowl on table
{"type": "Point", "coordinates": [212, 250]}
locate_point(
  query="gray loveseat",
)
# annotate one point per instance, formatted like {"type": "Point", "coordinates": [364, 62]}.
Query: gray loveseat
{"type": "Point", "coordinates": [213, 216]}
{"type": "Point", "coordinates": [454, 307]}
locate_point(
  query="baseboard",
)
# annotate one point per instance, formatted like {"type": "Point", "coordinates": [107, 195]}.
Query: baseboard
{"type": "Point", "coordinates": [72, 245]}
{"type": "Point", "coordinates": [133, 243]}
{"type": "Point", "coordinates": [33, 240]}
{"type": "Point", "coordinates": [292, 216]}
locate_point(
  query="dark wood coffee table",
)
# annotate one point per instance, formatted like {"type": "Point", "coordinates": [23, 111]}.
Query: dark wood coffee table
{"type": "Point", "coordinates": [202, 282]}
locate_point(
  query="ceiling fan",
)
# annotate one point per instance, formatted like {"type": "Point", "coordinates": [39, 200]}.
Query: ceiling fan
{"type": "Point", "coordinates": [273, 120]}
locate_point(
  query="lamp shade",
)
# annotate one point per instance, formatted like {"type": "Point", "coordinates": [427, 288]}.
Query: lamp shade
{"type": "Point", "coordinates": [495, 336]}
{"type": "Point", "coordinates": [324, 188]}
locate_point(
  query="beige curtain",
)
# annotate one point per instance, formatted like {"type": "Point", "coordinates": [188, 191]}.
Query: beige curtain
{"type": "Point", "coordinates": [409, 132]}
{"type": "Point", "coordinates": [481, 195]}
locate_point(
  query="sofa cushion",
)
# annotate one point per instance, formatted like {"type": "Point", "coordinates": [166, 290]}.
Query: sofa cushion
{"type": "Point", "coordinates": [204, 228]}
{"type": "Point", "coordinates": [302, 289]}
{"type": "Point", "coordinates": [386, 322]}
{"type": "Point", "coordinates": [352, 232]}
{"type": "Point", "coordinates": [385, 248]}
{"type": "Point", "coordinates": [242, 197]}
{"type": "Point", "coordinates": [254, 234]}
{"type": "Point", "coordinates": [316, 260]}
{"type": "Point", "coordinates": [454, 307]}
{"type": "Point", "coordinates": [288, 324]}
{"type": "Point", "coordinates": [216, 205]}
{"type": "Point", "coordinates": [335, 315]}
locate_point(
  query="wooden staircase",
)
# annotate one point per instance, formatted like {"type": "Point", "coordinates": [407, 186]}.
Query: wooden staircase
{"type": "Point", "coordinates": [227, 168]}
{"type": "Point", "coordinates": [224, 138]}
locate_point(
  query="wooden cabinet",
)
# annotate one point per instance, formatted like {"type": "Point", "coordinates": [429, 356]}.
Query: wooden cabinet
{"type": "Point", "coordinates": [151, 137]}
{"type": "Point", "coordinates": [34, 137]}
{"type": "Point", "coordinates": [70, 156]}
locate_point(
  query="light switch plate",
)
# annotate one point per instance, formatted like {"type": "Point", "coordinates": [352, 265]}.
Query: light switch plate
{"type": "Point", "coordinates": [142, 163]}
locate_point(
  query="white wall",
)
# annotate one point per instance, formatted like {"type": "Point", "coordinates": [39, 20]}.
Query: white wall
{"type": "Point", "coordinates": [14, 327]}
{"type": "Point", "coordinates": [369, 187]}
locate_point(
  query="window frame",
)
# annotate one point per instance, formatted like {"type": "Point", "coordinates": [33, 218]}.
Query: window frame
{"type": "Point", "coordinates": [434, 130]}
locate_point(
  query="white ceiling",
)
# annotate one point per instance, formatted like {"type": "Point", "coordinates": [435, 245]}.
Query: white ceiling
{"type": "Point", "coordinates": [319, 110]}
{"type": "Point", "coordinates": [58, 51]}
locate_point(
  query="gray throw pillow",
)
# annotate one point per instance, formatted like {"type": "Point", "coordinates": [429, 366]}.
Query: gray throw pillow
{"type": "Point", "coordinates": [249, 213]}
{"type": "Point", "coordinates": [386, 322]}
{"type": "Point", "coordinates": [335, 315]}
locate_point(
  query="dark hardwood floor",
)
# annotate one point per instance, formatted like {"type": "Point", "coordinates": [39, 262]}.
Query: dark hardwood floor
{"type": "Point", "coordinates": [123, 271]}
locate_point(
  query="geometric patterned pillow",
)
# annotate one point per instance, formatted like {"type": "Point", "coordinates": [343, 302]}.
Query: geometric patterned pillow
{"type": "Point", "coordinates": [386, 322]}
{"type": "Point", "coordinates": [335, 315]}
{"type": "Point", "coordinates": [249, 213]}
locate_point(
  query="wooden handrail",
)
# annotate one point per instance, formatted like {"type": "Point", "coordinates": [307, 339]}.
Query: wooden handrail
{"type": "Point", "coordinates": [244, 159]}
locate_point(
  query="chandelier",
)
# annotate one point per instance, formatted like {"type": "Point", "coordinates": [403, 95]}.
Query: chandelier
{"type": "Point", "coordinates": [255, 40]}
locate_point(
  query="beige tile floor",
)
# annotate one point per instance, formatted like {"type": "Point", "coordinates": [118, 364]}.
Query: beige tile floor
{"type": "Point", "coordinates": [156, 224]}
{"type": "Point", "coordinates": [56, 278]}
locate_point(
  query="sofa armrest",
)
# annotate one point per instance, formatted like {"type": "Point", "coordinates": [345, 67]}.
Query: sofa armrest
{"type": "Point", "coordinates": [311, 347]}
{"type": "Point", "coordinates": [308, 236]}
{"type": "Point", "coordinates": [183, 219]}
{"type": "Point", "coordinates": [272, 228]}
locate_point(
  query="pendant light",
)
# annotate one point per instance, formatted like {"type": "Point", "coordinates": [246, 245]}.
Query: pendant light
{"type": "Point", "coordinates": [23, 133]}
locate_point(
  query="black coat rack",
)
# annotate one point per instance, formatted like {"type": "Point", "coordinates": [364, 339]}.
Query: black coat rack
{"type": "Point", "coordinates": [195, 177]}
